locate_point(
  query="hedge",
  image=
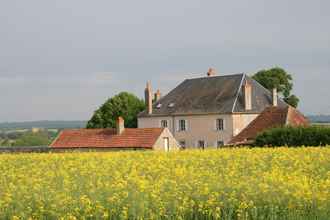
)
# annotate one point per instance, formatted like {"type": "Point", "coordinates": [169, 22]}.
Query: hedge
{"type": "Point", "coordinates": [294, 136]}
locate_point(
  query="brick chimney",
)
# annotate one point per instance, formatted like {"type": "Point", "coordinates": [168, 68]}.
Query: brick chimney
{"type": "Point", "coordinates": [148, 98]}
{"type": "Point", "coordinates": [158, 95]}
{"type": "Point", "coordinates": [211, 72]}
{"type": "Point", "coordinates": [275, 97]}
{"type": "Point", "coordinates": [247, 90]}
{"type": "Point", "coordinates": [120, 125]}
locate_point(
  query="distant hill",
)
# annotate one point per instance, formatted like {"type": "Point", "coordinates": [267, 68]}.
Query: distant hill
{"type": "Point", "coordinates": [319, 118]}
{"type": "Point", "coordinates": [43, 124]}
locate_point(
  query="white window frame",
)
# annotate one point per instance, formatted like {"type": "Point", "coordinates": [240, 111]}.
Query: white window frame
{"type": "Point", "coordinates": [161, 123]}
{"type": "Point", "coordinates": [179, 128]}
{"type": "Point", "coordinates": [216, 124]}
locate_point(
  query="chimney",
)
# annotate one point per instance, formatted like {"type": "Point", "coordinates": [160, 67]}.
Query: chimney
{"type": "Point", "coordinates": [120, 125]}
{"type": "Point", "coordinates": [211, 72]}
{"type": "Point", "coordinates": [247, 90]}
{"type": "Point", "coordinates": [158, 95]}
{"type": "Point", "coordinates": [148, 98]}
{"type": "Point", "coordinates": [274, 93]}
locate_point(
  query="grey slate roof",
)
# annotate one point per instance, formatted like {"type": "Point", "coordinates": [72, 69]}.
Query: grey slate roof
{"type": "Point", "coordinates": [261, 98]}
{"type": "Point", "coordinates": [211, 95]}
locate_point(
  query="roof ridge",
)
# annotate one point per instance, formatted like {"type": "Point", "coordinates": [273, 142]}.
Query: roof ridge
{"type": "Point", "coordinates": [216, 76]}
{"type": "Point", "coordinates": [238, 91]}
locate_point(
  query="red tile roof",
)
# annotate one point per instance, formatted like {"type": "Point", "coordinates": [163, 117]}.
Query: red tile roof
{"type": "Point", "coordinates": [271, 117]}
{"type": "Point", "coordinates": [107, 138]}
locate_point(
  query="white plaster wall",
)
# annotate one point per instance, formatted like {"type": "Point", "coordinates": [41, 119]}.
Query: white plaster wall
{"type": "Point", "coordinates": [240, 121]}
{"type": "Point", "coordinates": [200, 127]}
{"type": "Point", "coordinates": [159, 145]}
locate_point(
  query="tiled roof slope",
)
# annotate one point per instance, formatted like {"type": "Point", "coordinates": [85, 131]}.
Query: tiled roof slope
{"type": "Point", "coordinates": [261, 98]}
{"type": "Point", "coordinates": [215, 94]}
{"type": "Point", "coordinates": [107, 138]}
{"type": "Point", "coordinates": [271, 117]}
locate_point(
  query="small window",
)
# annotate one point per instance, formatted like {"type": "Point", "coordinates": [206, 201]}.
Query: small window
{"type": "Point", "coordinates": [164, 123]}
{"type": "Point", "coordinates": [219, 124]}
{"type": "Point", "coordinates": [182, 125]}
{"type": "Point", "coordinates": [182, 144]}
{"type": "Point", "coordinates": [220, 144]}
{"type": "Point", "coordinates": [201, 144]}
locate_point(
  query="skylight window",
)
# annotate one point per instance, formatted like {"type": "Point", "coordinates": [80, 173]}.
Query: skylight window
{"type": "Point", "coordinates": [171, 105]}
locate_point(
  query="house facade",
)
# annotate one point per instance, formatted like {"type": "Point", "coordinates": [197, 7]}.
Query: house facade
{"type": "Point", "coordinates": [207, 111]}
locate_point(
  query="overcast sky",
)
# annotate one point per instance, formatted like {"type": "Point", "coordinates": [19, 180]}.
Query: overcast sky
{"type": "Point", "coordinates": [61, 59]}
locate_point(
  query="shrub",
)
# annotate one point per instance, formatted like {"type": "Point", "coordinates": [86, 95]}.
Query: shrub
{"type": "Point", "coordinates": [294, 136]}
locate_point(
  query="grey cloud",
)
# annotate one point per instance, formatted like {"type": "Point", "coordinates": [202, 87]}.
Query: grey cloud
{"type": "Point", "coordinates": [61, 59]}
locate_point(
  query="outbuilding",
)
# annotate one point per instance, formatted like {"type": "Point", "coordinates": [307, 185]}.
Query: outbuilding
{"type": "Point", "coordinates": [119, 138]}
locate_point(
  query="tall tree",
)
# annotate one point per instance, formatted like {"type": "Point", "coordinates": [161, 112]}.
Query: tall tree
{"type": "Point", "coordinates": [281, 80]}
{"type": "Point", "coordinates": [124, 104]}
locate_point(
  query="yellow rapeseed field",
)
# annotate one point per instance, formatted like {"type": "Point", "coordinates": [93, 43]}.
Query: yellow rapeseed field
{"type": "Point", "coordinates": [282, 183]}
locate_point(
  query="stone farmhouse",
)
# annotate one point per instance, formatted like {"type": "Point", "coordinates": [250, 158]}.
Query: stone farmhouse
{"type": "Point", "coordinates": [209, 111]}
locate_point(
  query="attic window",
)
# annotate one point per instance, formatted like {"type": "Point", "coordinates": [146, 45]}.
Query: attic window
{"type": "Point", "coordinates": [159, 105]}
{"type": "Point", "coordinates": [171, 105]}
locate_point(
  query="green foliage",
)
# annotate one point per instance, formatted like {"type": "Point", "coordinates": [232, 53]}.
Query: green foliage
{"type": "Point", "coordinates": [124, 104]}
{"type": "Point", "coordinates": [32, 139]}
{"type": "Point", "coordinates": [294, 136]}
{"type": "Point", "coordinates": [280, 79]}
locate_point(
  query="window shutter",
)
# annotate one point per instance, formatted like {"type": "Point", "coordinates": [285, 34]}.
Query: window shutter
{"type": "Point", "coordinates": [177, 125]}
{"type": "Point", "coordinates": [215, 124]}
{"type": "Point", "coordinates": [223, 124]}
{"type": "Point", "coordinates": [186, 123]}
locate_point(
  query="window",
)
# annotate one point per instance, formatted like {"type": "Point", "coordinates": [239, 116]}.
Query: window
{"type": "Point", "coordinates": [219, 124]}
{"type": "Point", "coordinates": [220, 144]}
{"type": "Point", "coordinates": [182, 125]}
{"type": "Point", "coordinates": [182, 144]}
{"type": "Point", "coordinates": [201, 144]}
{"type": "Point", "coordinates": [164, 123]}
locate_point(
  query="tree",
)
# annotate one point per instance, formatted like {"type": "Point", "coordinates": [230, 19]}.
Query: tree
{"type": "Point", "coordinates": [278, 78]}
{"type": "Point", "coordinates": [292, 100]}
{"type": "Point", "coordinates": [32, 139]}
{"type": "Point", "coordinates": [124, 104]}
